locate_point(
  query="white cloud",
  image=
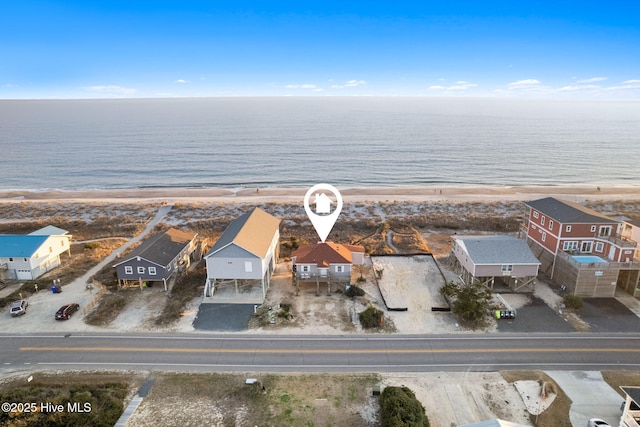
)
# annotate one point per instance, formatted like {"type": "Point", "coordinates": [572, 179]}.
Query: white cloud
{"type": "Point", "coordinates": [573, 88]}
{"type": "Point", "coordinates": [307, 86]}
{"type": "Point", "coordinates": [627, 84]}
{"type": "Point", "coordinates": [460, 85]}
{"type": "Point", "coordinates": [111, 89]}
{"type": "Point", "coordinates": [350, 83]}
{"type": "Point", "coordinates": [523, 83]}
{"type": "Point", "coordinates": [181, 81]}
{"type": "Point", "coordinates": [592, 80]}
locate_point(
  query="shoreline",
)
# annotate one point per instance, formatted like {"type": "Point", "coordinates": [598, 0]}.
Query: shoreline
{"type": "Point", "coordinates": [574, 193]}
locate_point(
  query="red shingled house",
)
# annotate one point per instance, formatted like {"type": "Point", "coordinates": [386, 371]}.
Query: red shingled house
{"type": "Point", "coordinates": [325, 262]}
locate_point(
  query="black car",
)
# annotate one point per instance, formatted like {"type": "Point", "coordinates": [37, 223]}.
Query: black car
{"type": "Point", "coordinates": [66, 311]}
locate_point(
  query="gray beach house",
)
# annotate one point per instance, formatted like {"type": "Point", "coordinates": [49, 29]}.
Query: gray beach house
{"type": "Point", "coordinates": [158, 258]}
{"type": "Point", "coordinates": [246, 253]}
{"type": "Point", "coordinates": [491, 259]}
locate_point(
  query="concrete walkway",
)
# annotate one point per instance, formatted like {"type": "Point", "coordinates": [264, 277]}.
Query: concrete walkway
{"type": "Point", "coordinates": [81, 281]}
{"type": "Point", "coordinates": [592, 397]}
{"type": "Point", "coordinates": [632, 303]}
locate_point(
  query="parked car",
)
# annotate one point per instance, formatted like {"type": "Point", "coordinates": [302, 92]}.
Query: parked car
{"type": "Point", "coordinates": [18, 308]}
{"type": "Point", "coordinates": [66, 311]}
{"type": "Point", "coordinates": [597, 422]}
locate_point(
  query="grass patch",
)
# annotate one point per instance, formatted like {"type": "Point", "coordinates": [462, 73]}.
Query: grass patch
{"type": "Point", "coordinates": [103, 393]}
{"type": "Point", "coordinates": [188, 286]}
{"type": "Point", "coordinates": [558, 413]}
{"type": "Point", "coordinates": [111, 304]}
{"type": "Point", "coordinates": [617, 379]}
{"type": "Point", "coordinates": [293, 400]}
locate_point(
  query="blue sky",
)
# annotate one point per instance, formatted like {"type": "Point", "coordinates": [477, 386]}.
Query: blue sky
{"type": "Point", "coordinates": [104, 49]}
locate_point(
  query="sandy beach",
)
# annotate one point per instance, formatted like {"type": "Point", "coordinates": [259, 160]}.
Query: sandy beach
{"type": "Point", "coordinates": [350, 194]}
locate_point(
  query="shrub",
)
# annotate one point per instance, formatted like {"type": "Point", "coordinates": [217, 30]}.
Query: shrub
{"type": "Point", "coordinates": [371, 317]}
{"type": "Point", "coordinates": [400, 408]}
{"type": "Point", "coordinates": [354, 291]}
{"type": "Point", "coordinates": [572, 302]}
{"type": "Point", "coordinates": [92, 245]}
{"type": "Point", "coordinates": [285, 311]}
{"type": "Point", "coordinates": [449, 290]}
{"type": "Point", "coordinates": [471, 303]}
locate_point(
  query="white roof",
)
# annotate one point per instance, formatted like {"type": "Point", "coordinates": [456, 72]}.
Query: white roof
{"type": "Point", "coordinates": [49, 230]}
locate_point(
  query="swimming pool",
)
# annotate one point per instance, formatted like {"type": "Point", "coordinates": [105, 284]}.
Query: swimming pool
{"type": "Point", "coordinates": [587, 259]}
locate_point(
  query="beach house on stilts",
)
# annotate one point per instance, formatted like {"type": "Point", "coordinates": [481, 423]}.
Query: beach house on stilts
{"type": "Point", "coordinates": [245, 256]}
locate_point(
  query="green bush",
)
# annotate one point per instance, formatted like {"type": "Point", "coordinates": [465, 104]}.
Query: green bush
{"type": "Point", "coordinates": [354, 291]}
{"type": "Point", "coordinates": [572, 302]}
{"type": "Point", "coordinates": [371, 317]}
{"type": "Point", "coordinates": [449, 290]}
{"type": "Point", "coordinates": [400, 408]}
{"type": "Point", "coordinates": [285, 311]}
{"type": "Point", "coordinates": [471, 302]}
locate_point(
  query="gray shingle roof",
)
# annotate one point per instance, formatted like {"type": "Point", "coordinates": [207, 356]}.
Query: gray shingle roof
{"type": "Point", "coordinates": [633, 393]}
{"type": "Point", "coordinates": [162, 248]}
{"type": "Point", "coordinates": [568, 212]}
{"type": "Point", "coordinates": [497, 250]}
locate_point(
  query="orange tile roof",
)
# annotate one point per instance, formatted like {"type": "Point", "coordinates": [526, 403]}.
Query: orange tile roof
{"type": "Point", "coordinates": [325, 254]}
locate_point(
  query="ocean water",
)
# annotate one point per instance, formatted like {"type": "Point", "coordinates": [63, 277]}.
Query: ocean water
{"type": "Point", "coordinates": [247, 142]}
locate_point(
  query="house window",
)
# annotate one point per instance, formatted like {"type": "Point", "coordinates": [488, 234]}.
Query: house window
{"type": "Point", "coordinates": [568, 229]}
{"type": "Point", "coordinates": [128, 270]}
{"type": "Point", "coordinates": [140, 270]}
{"type": "Point", "coordinates": [152, 271]}
{"type": "Point", "coordinates": [305, 268]}
{"type": "Point", "coordinates": [544, 237]}
{"type": "Point", "coordinates": [248, 267]}
{"type": "Point", "coordinates": [61, 242]}
{"type": "Point", "coordinates": [50, 250]}
{"type": "Point", "coordinates": [586, 247]}
{"type": "Point", "coordinates": [542, 220]}
{"type": "Point", "coordinates": [593, 228]}
{"type": "Point", "coordinates": [570, 246]}
{"type": "Point", "coordinates": [605, 231]}
{"type": "Point", "coordinates": [550, 224]}
{"type": "Point", "coordinates": [507, 268]}
{"type": "Point", "coordinates": [339, 268]}
{"type": "Point", "coordinates": [535, 214]}
{"type": "Point", "coordinates": [599, 246]}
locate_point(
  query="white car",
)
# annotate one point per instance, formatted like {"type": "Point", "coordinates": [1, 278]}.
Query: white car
{"type": "Point", "coordinates": [597, 422]}
{"type": "Point", "coordinates": [18, 308]}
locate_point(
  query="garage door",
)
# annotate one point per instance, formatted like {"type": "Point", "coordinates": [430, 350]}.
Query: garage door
{"type": "Point", "coordinates": [23, 274]}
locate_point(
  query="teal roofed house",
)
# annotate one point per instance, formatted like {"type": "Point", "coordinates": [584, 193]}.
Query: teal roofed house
{"type": "Point", "coordinates": [29, 256]}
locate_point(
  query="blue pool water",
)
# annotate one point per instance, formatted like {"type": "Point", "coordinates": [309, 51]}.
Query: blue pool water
{"type": "Point", "coordinates": [587, 259]}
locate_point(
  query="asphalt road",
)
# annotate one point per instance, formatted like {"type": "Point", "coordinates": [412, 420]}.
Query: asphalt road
{"type": "Point", "coordinates": [362, 353]}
